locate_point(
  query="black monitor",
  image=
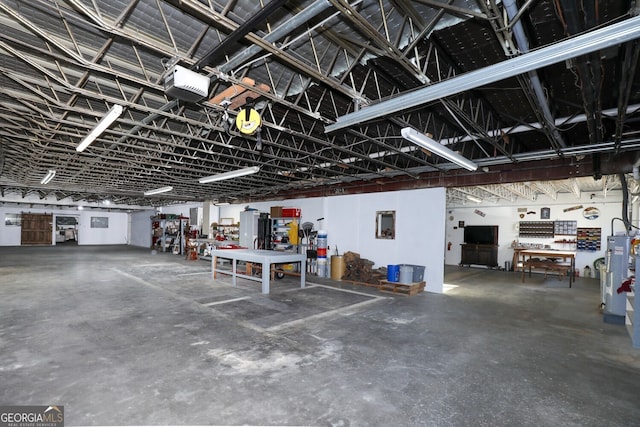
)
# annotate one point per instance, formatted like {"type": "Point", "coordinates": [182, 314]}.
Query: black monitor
{"type": "Point", "coordinates": [481, 234]}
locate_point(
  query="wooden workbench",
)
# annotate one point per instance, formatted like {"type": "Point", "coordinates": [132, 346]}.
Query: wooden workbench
{"type": "Point", "coordinates": [527, 257]}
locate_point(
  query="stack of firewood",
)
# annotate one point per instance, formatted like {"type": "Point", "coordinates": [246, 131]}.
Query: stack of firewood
{"type": "Point", "coordinates": [359, 269]}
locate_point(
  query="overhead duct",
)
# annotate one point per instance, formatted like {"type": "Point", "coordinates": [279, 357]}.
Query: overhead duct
{"type": "Point", "coordinates": [611, 35]}
{"type": "Point", "coordinates": [278, 33]}
{"type": "Point", "coordinates": [235, 92]}
{"type": "Point", "coordinates": [239, 33]}
{"type": "Point", "coordinates": [523, 46]}
{"type": "Point", "coordinates": [537, 125]}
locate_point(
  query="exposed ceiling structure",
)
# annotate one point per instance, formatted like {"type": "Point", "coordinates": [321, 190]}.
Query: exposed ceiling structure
{"type": "Point", "coordinates": [523, 192]}
{"type": "Point", "coordinates": [532, 91]}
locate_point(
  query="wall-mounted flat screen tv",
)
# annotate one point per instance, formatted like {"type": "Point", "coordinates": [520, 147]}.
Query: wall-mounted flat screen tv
{"type": "Point", "coordinates": [481, 234]}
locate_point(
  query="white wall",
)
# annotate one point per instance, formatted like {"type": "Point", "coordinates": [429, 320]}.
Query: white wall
{"type": "Point", "coordinates": [507, 218]}
{"type": "Point", "coordinates": [185, 211]}
{"type": "Point", "coordinates": [182, 210]}
{"type": "Point", "coordinates": [140, 222]}
{"type": "Point", "coordinates": [350, 224]}
{"type": "Point", "coordinates": [10, 235]}
{"type": "Point", "coordinates": [116, 234]}
{"type": "Point", "coordinates": [140, 228]}
{"type": "Point", "coordinates": [423, 225]}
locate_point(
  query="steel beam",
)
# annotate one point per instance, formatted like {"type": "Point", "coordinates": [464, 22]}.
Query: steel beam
{"type": "Point", "coordinates": [592, 41]}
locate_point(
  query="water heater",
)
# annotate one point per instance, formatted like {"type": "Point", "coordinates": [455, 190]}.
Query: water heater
{"type": "Point", "coordinates": [617, 271]}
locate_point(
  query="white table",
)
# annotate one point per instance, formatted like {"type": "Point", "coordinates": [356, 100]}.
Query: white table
{"type": "Point", "coordinates": [261, 256]}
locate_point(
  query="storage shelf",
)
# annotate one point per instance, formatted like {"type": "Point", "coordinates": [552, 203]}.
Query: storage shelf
{"type": "Point", "coordinates": [536, 229]}
{"type": "Point", "coordinates": [547, 229]}
{"type": "Point", "coordinates": [280, 228]}
{"type": "Point", "coordinates": [281, 239]}
{"type": "Point", "coordinates": [632, 309]}
{"type": "Point", "coordinates": [565, 228]}
{"type": "Point", "coordinates": [589, 239]}
{"type": "Point", "coordinates": [231, 232]}
{"type": "Point", "coordinates": [632, 319]}
{"type": "Point", "coordinates": [167, 232]}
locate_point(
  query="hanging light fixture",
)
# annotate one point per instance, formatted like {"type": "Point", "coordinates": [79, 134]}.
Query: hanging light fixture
{"type": "Point", "coordinates": [474, 199]}
{"type": "Point", "coordinates": [158, 191]}
{"type": "Point", "coordinates": [229, 175]}
{"type": "Point", "coordinates": [48, 177]}
{"type": "Point", "coordinates": [435, 147]}
{"type": "Point", "coordinates": [102, 125]}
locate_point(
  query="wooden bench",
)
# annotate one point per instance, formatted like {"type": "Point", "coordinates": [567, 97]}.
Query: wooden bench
{"type": "Point", "coordinates": [548, 265]}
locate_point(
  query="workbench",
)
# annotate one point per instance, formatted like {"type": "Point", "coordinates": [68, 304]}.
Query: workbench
{"type": "Point", "coordinates": [258, 256]}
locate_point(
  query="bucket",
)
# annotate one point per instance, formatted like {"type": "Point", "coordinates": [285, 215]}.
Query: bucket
{"type": "Point", "coordinates": [393, 273]}
{"type": "Point", "coordinates": [406, 274]}
{"type": "Point", "coordinates": [322, 267]}
{"type": "Point", "coordinates": [338, 267]}
{"type": "Point", "coordinates": [322, 239]}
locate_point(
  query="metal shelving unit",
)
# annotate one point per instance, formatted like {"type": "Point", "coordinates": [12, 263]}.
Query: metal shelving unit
{"type": "Point", "coordinates": [167, 233]}
{"type": "Point", "coordinates": [632, 315]}
{"type": "Point", "coordinates": [280, 234]}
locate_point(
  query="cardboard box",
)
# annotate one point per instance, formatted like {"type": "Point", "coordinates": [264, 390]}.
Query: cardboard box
{"type": "Point", "coordinates": [276, 211]}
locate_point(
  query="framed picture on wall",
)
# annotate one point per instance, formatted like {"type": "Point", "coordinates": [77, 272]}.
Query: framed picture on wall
{"type": "Point", "coordinates": [545, 213]}
{"type": "Point", "coordinates": [13, 219]}
{"type": "Point", "coordinates": [99, 222]}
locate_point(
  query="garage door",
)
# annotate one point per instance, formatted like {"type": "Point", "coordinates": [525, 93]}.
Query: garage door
{"type": "Point", "coordinates": [36, 229]}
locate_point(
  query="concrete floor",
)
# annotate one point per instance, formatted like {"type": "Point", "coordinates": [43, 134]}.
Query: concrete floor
{"type": "Point", "coordinates": [123, 337]}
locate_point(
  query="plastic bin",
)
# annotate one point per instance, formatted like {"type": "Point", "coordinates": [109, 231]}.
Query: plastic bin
{"type": "Point", "coordinates": [418, 273]}
{"type": "Point", "coordinates": [393, 273]}
{"type": "Point", "coordinates": [406, 273]}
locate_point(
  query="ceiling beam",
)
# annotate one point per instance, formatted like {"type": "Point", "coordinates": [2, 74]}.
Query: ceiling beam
{"type": "Point", "coordinates": [498, 191]}
{"type": "Point", "coordinates": [522, 190]}
{"type": "Point", "coordinates": [210, 58]}
{"type": "Point", "coordinates": [454, 10]}
{"type": "Point", "coordinates": [546, 170]}
{"type": "Point", "coordinates": [547, 188]}
{"type": "Point", "coordinates": [592, 41]}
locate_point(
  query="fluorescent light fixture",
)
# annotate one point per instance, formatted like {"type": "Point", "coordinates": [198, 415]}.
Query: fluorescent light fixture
{"type": "Point", "coordinates": [229, 175]}
{"type": "Point", "coordinates": [158, 191]}
{"type": "Point", "coordinates": [424, 141]}
{"type": "Point", "coordinates": [102, 125]}
{"type": "Point", "coordinates": [48, 177]}
{"type": "Point", "coordinates": [474, 199]}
